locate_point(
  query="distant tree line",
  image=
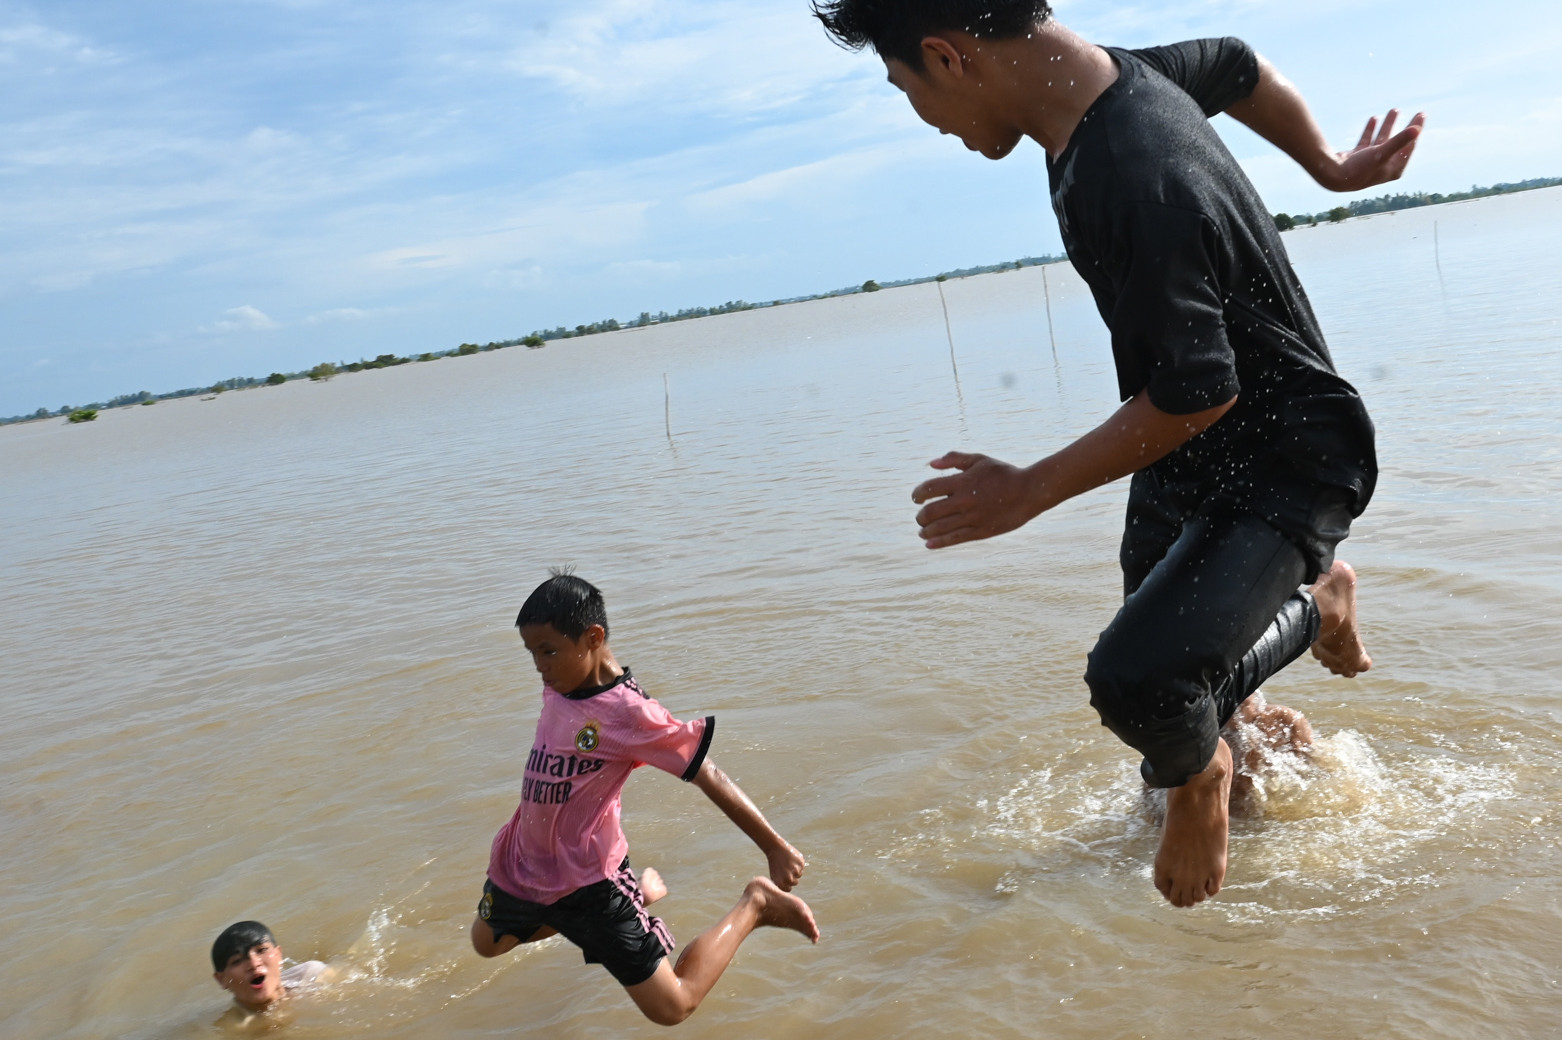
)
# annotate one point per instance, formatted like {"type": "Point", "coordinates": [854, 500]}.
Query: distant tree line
{"type": "Point", "coordinates": [1387, 203]}
{"type": "Point", "coordinates": [540, 337]}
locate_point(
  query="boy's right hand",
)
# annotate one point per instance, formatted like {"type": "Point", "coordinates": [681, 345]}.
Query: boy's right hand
{"type": "Point", "coordinates": [786, 866]}
{"type": "Point", "coordinates": [985, 498]}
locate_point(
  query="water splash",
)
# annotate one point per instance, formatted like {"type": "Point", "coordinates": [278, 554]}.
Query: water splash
{"type": "Point", "coordinates": [1320, 836]}
{"type": "Point", "coordinates": [411, 960]}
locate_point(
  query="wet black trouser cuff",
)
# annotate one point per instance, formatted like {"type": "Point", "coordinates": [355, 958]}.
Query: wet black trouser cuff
{"type": "Point", "coordinates": [1294, 629]}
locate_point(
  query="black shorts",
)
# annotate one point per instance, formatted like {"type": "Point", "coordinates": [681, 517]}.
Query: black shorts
{"type": "Point", "coordinates": [606, 920]}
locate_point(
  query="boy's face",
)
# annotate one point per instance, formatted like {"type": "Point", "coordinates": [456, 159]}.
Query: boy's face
{"type": "Point", "coordinates": [564, 663]}
{"type": "Point", "coordinates": [254, 977]}
{"type": "Point", "coordinates": [947, 97]}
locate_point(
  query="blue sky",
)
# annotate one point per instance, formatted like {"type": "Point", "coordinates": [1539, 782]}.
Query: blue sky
{"type": "Point", "coordinates": [198, 189]}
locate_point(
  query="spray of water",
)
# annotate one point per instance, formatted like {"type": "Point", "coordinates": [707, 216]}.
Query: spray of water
{"type": "Point", "coordinates": [1320, 834]}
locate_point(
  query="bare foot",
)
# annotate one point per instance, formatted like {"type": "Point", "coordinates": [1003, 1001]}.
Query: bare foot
{"type": "Point", "coordinates": [781, 909]}
{"type": "Point", "coordinates": [1257, 734]}
{"type": "Point", "coordinates": [1339, 641]}
{"type": "Point", "coordinates": [652, 887]}
{"type": "Point", "coordinates": [1191, 862]}
{"type": "Point", "coordinates": [1278, 729]}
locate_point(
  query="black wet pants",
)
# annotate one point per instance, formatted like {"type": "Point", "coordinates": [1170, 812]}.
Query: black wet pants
{"type": "Point", "coordinates": [1211, 610]}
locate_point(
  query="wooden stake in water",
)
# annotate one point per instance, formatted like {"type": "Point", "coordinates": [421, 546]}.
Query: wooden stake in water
{"type": "Point", "coordinates": [667, 408]}
{"type": "Point", "coordinates": [1047, 295]}
{"type": "Point", "coordinates": [1052, 337]}
{"type": "Point", "coordinates": [951, 336]}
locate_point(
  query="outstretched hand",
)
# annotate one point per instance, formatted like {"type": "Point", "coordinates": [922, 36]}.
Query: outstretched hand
{"type": "Point", "coordinates": [786, 866]}
{"type": "Point", "coordinates": [985, 498]}
{"type": "Point", "coordinates": [1379, 157]}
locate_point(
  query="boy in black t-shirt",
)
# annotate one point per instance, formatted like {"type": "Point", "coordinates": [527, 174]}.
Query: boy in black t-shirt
{"type": "Point", "coordinates": [1250, 455]}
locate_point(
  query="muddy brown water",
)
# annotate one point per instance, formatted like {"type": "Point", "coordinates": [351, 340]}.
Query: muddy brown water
{"type": "Point", "coordinates": [259, 663]}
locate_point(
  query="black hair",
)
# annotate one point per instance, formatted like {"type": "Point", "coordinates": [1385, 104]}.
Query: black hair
{"type": "Point", "coordinates": [570, 604]}
{"type": "Point", "coordinates": [895, 28]}
{"type": "Point", "coordinates": [238, 938]}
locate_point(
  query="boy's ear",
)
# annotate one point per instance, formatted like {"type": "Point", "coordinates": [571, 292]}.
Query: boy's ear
{"type": "Point", "coordinates": [939, 55]}
{"type": "Point", "coordinates": [594, 636]}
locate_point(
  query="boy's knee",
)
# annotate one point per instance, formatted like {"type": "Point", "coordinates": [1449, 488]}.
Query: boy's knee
{"type": "Point", "coordinates": [662, 998]}
{"type": "Point", "coordinates": [667, 1016]}
{"type": "Point", "coordinates": [1121, 686]}
{"type": "Point", "coordinates": [485, 942]}
{"type": "Point", "coordinates": [1163, 719]}
{"type": "Point", "coordinates": [664, 1006]}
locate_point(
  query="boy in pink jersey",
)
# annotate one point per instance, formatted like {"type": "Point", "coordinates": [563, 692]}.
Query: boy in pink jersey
{"type": "Point", "coordinates": [561, 865]}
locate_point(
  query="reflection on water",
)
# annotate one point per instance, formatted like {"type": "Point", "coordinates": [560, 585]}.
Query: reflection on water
{"type": "Point", "coordinates": [259, 664]}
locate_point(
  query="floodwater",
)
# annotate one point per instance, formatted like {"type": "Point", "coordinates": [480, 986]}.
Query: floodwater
{"type": "Point", "coordinates": [259, 663]}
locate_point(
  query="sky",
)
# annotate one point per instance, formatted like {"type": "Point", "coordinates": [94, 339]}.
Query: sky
{"type": "Point", "coordinates": [192, 190]}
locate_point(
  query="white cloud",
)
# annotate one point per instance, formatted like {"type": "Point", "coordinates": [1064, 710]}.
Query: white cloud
{"type": "Point", "coordinates": [799, 182]}
{"type": "Point", "coordinates": [659, 269]}
{"type": "Point", "coordinates": [20, 41]}
{"type": "Point", "coordinates": [347, 314]}
{"type": "Point", "coordinates": [579, 224]}
{"type": "Point", "coordinates": [739, 59]}
{"type": "Point", "coordinates": [265, 139]}
{"type": "Point", "coordinates": [516, 277]}
{"type": "Point", "coordinates": [242, 319]}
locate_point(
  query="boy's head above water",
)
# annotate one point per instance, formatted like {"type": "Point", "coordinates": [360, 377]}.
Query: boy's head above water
{"type": "Point", "coordinates": [247, 962]}
{"type": "Point", "coordinates": [570, 604]}
{"type": "Point", "coordinates": [974, 69]}
{"type": "Point", "coordinates": [564, 626]}
{"type": "Point", "coordinates": [895, 29]}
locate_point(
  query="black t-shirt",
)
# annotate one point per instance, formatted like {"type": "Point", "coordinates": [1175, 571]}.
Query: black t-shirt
{"type": "Point", "coordinates": [1189, 273]}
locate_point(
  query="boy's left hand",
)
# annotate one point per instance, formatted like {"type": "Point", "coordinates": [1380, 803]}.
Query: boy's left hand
{"type": "Point", "coordinates": [786, 866]}
{"type": "Point", "coordinates": [1379, 157]}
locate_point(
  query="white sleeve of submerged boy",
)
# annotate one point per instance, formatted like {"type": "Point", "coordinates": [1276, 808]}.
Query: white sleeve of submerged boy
{"type": "Point", "coordinates": [304, 975]}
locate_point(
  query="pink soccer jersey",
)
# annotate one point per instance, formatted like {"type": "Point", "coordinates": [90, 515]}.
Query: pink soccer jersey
{"type": "Point", "coordinates": [565, 834]}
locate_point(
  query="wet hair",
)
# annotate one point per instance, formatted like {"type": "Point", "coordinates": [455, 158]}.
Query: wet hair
{"type": "Point", "coordinates": [570, 604]}
{"type": "Point", "coordinates": [238, 938]}
{"type": "Point", "coordinates": [895, 28]}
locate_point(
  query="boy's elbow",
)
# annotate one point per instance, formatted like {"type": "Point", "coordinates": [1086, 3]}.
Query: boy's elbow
{"type": "Point", "coordinates": [1219, 410]}
{"type": "Point", "coordinates": [1196, 423]}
